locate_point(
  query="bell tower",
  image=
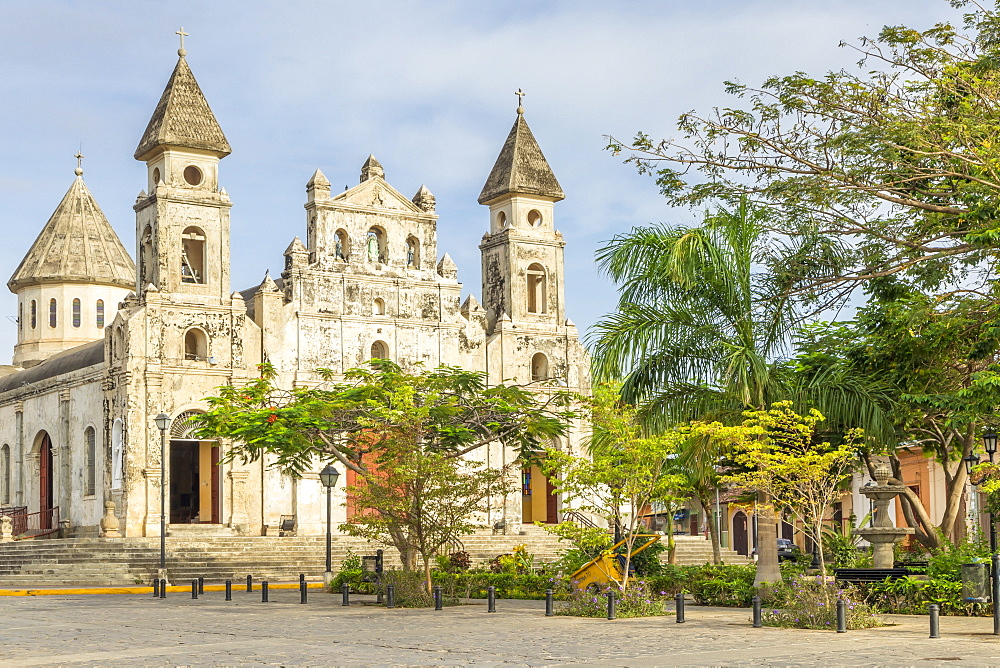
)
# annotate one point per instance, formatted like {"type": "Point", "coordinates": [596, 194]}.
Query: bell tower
{"type": "Point", "coordinates": [522, 254]}
{"type": "Point", "coordinates": [182, 224]}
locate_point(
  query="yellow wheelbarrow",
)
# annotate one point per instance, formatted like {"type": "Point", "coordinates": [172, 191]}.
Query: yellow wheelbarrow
{"type": "Point", "coordinates": [609, 567]}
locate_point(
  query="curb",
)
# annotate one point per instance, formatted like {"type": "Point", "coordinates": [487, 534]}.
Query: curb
{"type": "Point", "coordinates": [144, 590]}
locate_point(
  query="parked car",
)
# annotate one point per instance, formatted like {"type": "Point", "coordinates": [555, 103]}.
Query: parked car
{"type": "Point", "coordinates": [787, 550]}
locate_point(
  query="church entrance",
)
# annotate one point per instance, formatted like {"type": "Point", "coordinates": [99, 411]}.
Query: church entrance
{"type": "Point", "coordinates": [741, 538]}
{"type": "Point", "coordinates": [45, 474]}
{"type": "Point", "coordinates": [538, 498]}
{"type": "Point", "coordinates": [195, 485]}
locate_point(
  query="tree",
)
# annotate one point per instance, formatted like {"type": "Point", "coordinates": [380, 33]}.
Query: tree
{"type": "Point", "coordinates": [625, 474]}
{"type": "Point", "coordinates": [700, 321]}
{"type": "Point", "coordinates": [380, 422]}
{"type": "Point", "coordinates": [783, 460]}
{"type": "Point", "coordinates": [893, 170]}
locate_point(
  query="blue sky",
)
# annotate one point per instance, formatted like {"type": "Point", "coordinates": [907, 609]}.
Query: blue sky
{"type": "Point", "coordinates": [427, 87]}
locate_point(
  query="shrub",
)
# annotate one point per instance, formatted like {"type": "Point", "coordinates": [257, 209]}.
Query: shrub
{"type": "Point", "coordinates": [811, 603]}
{"type": "Point", "coordinates": [636, 601]}
{"type": "Point", "coordinates": [721, 585]}
{"type": "Point", "coordinates": [508, 585]}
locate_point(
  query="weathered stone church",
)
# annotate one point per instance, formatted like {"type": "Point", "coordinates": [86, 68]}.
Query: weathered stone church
{"type": "Point", "coordinates": [104, 344]}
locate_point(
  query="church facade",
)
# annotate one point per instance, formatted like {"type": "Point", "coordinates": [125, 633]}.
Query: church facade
{"type": "Point", "coordinates": [105, 344]}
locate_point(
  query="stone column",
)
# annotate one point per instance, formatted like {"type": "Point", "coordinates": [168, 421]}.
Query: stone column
{"type": "Point", "coordinates": [239, 516]}
{"type": "Point", "coordinates": [152, 522]}
{"type": "Point", "coordinates": [6, 529]}
{"type": "Point", "coordinates": [109, 523]}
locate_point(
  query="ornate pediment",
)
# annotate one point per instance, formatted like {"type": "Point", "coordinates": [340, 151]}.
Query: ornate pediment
{"type": "Point", "coordinates": [375, 193]}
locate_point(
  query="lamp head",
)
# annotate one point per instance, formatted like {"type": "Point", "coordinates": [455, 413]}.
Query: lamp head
{"type": "Point", "coordinates": [162, 421]}
{"type": "Point", "coordinates": [329, 476]}
{"type": "Point", "coordinates": [970, 462]}
{"type": "Point", "coordinates": [990, 442]}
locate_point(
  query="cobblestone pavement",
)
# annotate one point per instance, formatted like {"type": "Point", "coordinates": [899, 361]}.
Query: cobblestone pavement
{"type": "Point", "coordinates": [140, 630]}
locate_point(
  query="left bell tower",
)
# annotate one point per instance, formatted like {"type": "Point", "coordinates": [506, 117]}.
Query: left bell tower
{"type": "Point", "coordinates": [182, 224]}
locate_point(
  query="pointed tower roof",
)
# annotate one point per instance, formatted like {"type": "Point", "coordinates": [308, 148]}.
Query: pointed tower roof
{"type": "Point", "coordinates": [371, 169]}
{"type": "Point", "coordinates": [521, 167]}
{"type": "Point", "coordinates": [77, 245]}
{"type": "Point", "coordinates": [183, 118]}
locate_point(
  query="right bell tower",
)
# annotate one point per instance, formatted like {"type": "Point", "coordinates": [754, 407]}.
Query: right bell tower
{"type": "Point", "coordinates": [522, 253]}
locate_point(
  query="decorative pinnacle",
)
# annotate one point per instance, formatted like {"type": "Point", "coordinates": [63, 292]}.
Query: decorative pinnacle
{"type": "Point", "coordinates": [79, 164]}
{"type": "Point", "coordinates": [520, 94]}
{"type": "Point", "coordinates": [181, 51]}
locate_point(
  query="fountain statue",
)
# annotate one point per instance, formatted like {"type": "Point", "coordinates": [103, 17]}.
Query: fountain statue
{"type": "Point", "coordinates": [883, 535]}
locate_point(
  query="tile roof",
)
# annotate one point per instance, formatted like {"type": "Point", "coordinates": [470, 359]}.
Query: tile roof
{"type": "Point", "coordinates": [183, 118]}
{"type": "Point", "coordinates": [521, 168]}
{"type": "Point", "coordinates": [76, 245]}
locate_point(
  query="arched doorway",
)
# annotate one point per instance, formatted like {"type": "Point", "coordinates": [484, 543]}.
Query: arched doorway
{"type": "Point", "coordinates": [45, 483]}
{"type": "Point", "coordinates": [741, 541]}
{"type": "Point", "coordinates": [195, 482]}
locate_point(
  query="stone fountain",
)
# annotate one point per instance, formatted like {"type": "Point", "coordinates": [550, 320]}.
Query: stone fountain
{"type": "Point", "coordinates": [883, 535]}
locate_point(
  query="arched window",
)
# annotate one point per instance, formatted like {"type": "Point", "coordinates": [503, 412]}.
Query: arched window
{"type": "Point", "coordinates": [76, 312]}
{"type": "Point", "coordinates": [413, 253]}
{"type": "Point", "coordinates": [539, 367]}
{"type": "Point", "coordinates": [146, 258]}
{"type": "Point", "coordinates": [34, 314]}
{"type": "Point", "coordinates": [536, 288]}
{"type": "Point", "coordinates": [376, 246]}
{"type": "Point", "coordinates": [380, 351]}
{"type": "Point", "coordinates": [90, 468]}
{"type": "Point", "coordinates": [195, 345]}
{"type": "Point", "coordinates": [534, 218]}
{"type": "Point", "coordinates": [342, 247]}
{"type": "Point", "coordinates": [117, 460]}
{"type": "Point", "coordinates": [501, 220]}
{"type": "Point", "coordinates": [100, 314]}
{"type": "Point", "coordinates": [52, 313]}
{"type": "Point", "coordinates": [378, 306]}
{"type": "Point", "coordinates": [5, 475]}
{"type": "Point", "coordinates": [156, 176]}
{"type": "Point", "coordinates": [193, 255]}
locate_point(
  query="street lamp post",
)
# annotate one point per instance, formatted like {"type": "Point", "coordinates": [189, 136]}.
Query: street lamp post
{"type": "Point", "coordinates": [163, 423]}
{"type": "Point", "coordinates": [328, 477]}
{"type": "Point", "coordinates": [990, 445]}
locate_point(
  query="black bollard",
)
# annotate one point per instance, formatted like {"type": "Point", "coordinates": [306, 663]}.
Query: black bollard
{"type": "Point", "coordinates": [194, 589]}
{"type": "Point", "coordinates": [302, 578]}
{"type": "Point", "coordinates": [390, 596]}
{"type": "Point", "coordinates": [611, 604]}
{"type": "Point", "coordinates": [679, 607]}
{"type": "Point", "coordinates": [841, 616]}
{"type": "Point", "coordinates": [156, 588]}
{"type": "Point", "coordinates": [229, 590]}
{"type": "Point", "coordinates": [438, 602]}
{"type": "Point", "coordinates": [201, 585]}
{"type": "Point", "coordinates": [263, 591]}
{"type": "Point", "coordinates": [249, 583]}
{"type": "Point", "coordinates": [303, 588]}
{"type": "Point", "coordinates": [345, 594]}
{"type": "Point", "coordinates": [548, 603]}
{"type": "Point", "coordinates": [163, 588]}
{"type": "Point", "coordinates": [933, 609]}
{"type": "Point", "coordinates": [757, 623]}
{"type": "Point", "coordinates": [491, 599]}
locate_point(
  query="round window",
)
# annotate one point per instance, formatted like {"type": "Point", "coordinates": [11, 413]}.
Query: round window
{"type": "Point", "coordinates": [192, 175]}
{"type": "Point", "coordinates": [156, 176]}
{"type": "Point", "coordinates": [534, 218]}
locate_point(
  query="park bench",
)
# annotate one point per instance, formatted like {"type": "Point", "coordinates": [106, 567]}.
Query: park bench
{"type": "Point", "coordinates": [867, 575]}
{"type": "Point", "coordinates": [371, 568]}
{"type": "Point", "coordinates": [286, 527]}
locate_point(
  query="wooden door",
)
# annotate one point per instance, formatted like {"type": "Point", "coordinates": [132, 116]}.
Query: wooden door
{"type": "Point", "coordinates": [45, 483]}
{"type": "Point", "coordinates": [551, 503]}
{"type": "Point", "coordinates": [740, 536]}
{"type": "Point", "coordinates": [216, 487]}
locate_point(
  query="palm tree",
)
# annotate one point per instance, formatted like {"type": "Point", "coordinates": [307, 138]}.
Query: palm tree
{"type": "Point", "coordinates": [699, 324]}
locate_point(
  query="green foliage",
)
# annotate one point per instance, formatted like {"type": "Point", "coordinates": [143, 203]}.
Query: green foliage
{"type": "Point", "coordinates": [810, 603]}
{"type": "Point", "coordinates": [473, 584]}
{"type": "Point", "coordinates": [636, 601]}
{"type": "Point", "coordinates": [409, 589]}
{"type": "Point", "coordinates": [910, 596]}
{"type": "Point", "coordinates": [717, 585]}
{"type": "Point", "coordinates": [520, 562]}
{"type": "Point", "coordinates": [946, 563]}
{"type": "Point", "coordinates": [647, 563]}
{"type": "Point", "coordinates": [844, 551]}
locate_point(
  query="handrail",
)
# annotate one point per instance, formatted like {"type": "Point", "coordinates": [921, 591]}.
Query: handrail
{"type": "Point", "coordinates": [579, 518]}
{"type": "Point", "coordinates": [33, 525]}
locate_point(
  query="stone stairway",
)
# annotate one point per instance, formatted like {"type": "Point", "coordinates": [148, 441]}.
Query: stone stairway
{"type": "Point", "coordinates": [697, 551]}
{"type": "Point", "coordinates": [130, 561]}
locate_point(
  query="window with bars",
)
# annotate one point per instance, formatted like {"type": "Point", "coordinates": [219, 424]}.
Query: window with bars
{"type": "Point", "coordinates": [76, 312]}
{"type": "Point", "coordinates": [100, 314]}
{"type": "Point", "coordinates": [52, 312]}
{"type": "Point", "coordinates": [90, 473]}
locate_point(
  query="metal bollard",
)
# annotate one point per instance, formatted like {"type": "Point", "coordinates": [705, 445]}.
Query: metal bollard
{"type": "Point", "coordinates": [390, 596]}
{"type": "Point", "coordinates": [229, 590]}
{"type": "Point", "coordinates": [156, 588]}
{"type": "Point", "coordinates": [841, 616]}
{"type": "Point", "coordinates": [163, 588]}
{"type": "Point", "coordinates": [491, 599]}
{"type": "Point", "coordinates": [263, 591]}
{"type": "Point", "coordinates": [679, 607]}
{"type": "Point", "coordinates": [757, 623]}
{"type": "Point", "coordinates": [303, 588]}
{"type": "Point", "coordinates": [548, 603]}
{"type": "Point", "coordinates": [345, 594]}
{"type": "Point", "coordinates": [249, 583]}
{"type": "Point", "coordinates": [201, 585]}
{"type": "Point", "coordinates": [302, 578]}
{"type": "Point", "coordinates": [438, 603]}
{"type": "Point", "coordinates": [611, 604]}
{"type": "Point", "coordinates": [933, 609]}
{"type": "Point", "coordinates": [194, 589]}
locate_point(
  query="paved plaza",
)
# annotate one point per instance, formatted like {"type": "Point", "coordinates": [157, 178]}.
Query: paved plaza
{"type": "Point", "coordinates": [140, 630]}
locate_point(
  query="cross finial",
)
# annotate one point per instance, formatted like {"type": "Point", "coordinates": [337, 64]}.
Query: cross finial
{"type": "Point", "coordinates": [181, 52]}
{"type": "Point", "coordinates": [520, 94]}
{"type": "Point", "coordinates": [79, 163]}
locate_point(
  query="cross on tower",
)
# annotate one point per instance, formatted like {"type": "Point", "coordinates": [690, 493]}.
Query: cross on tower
{"type": "Point", "coordinates": [79, 162]}
{"type": "Point", "coordinates": [520, 94]}
{"type": "Point", "coordinates": [182, 36]}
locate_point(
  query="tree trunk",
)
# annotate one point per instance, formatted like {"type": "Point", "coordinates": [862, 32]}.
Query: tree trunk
{"type": "Point", "coordinates": [427, 573]}
{"type": "Point", "coordinates": [713, 529]}
{"type": "Point", "coordinates": [768, 572]}
{"type": "Point", "coordinates": [671, 543]}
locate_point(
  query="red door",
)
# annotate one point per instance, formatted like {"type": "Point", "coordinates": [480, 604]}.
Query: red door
{"type": "Point", "coordinates": [216, 486]}
{"type": "Point", "coordinates": [551, 506]}
{"type": "Point", "coordinates": [45, 483]}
